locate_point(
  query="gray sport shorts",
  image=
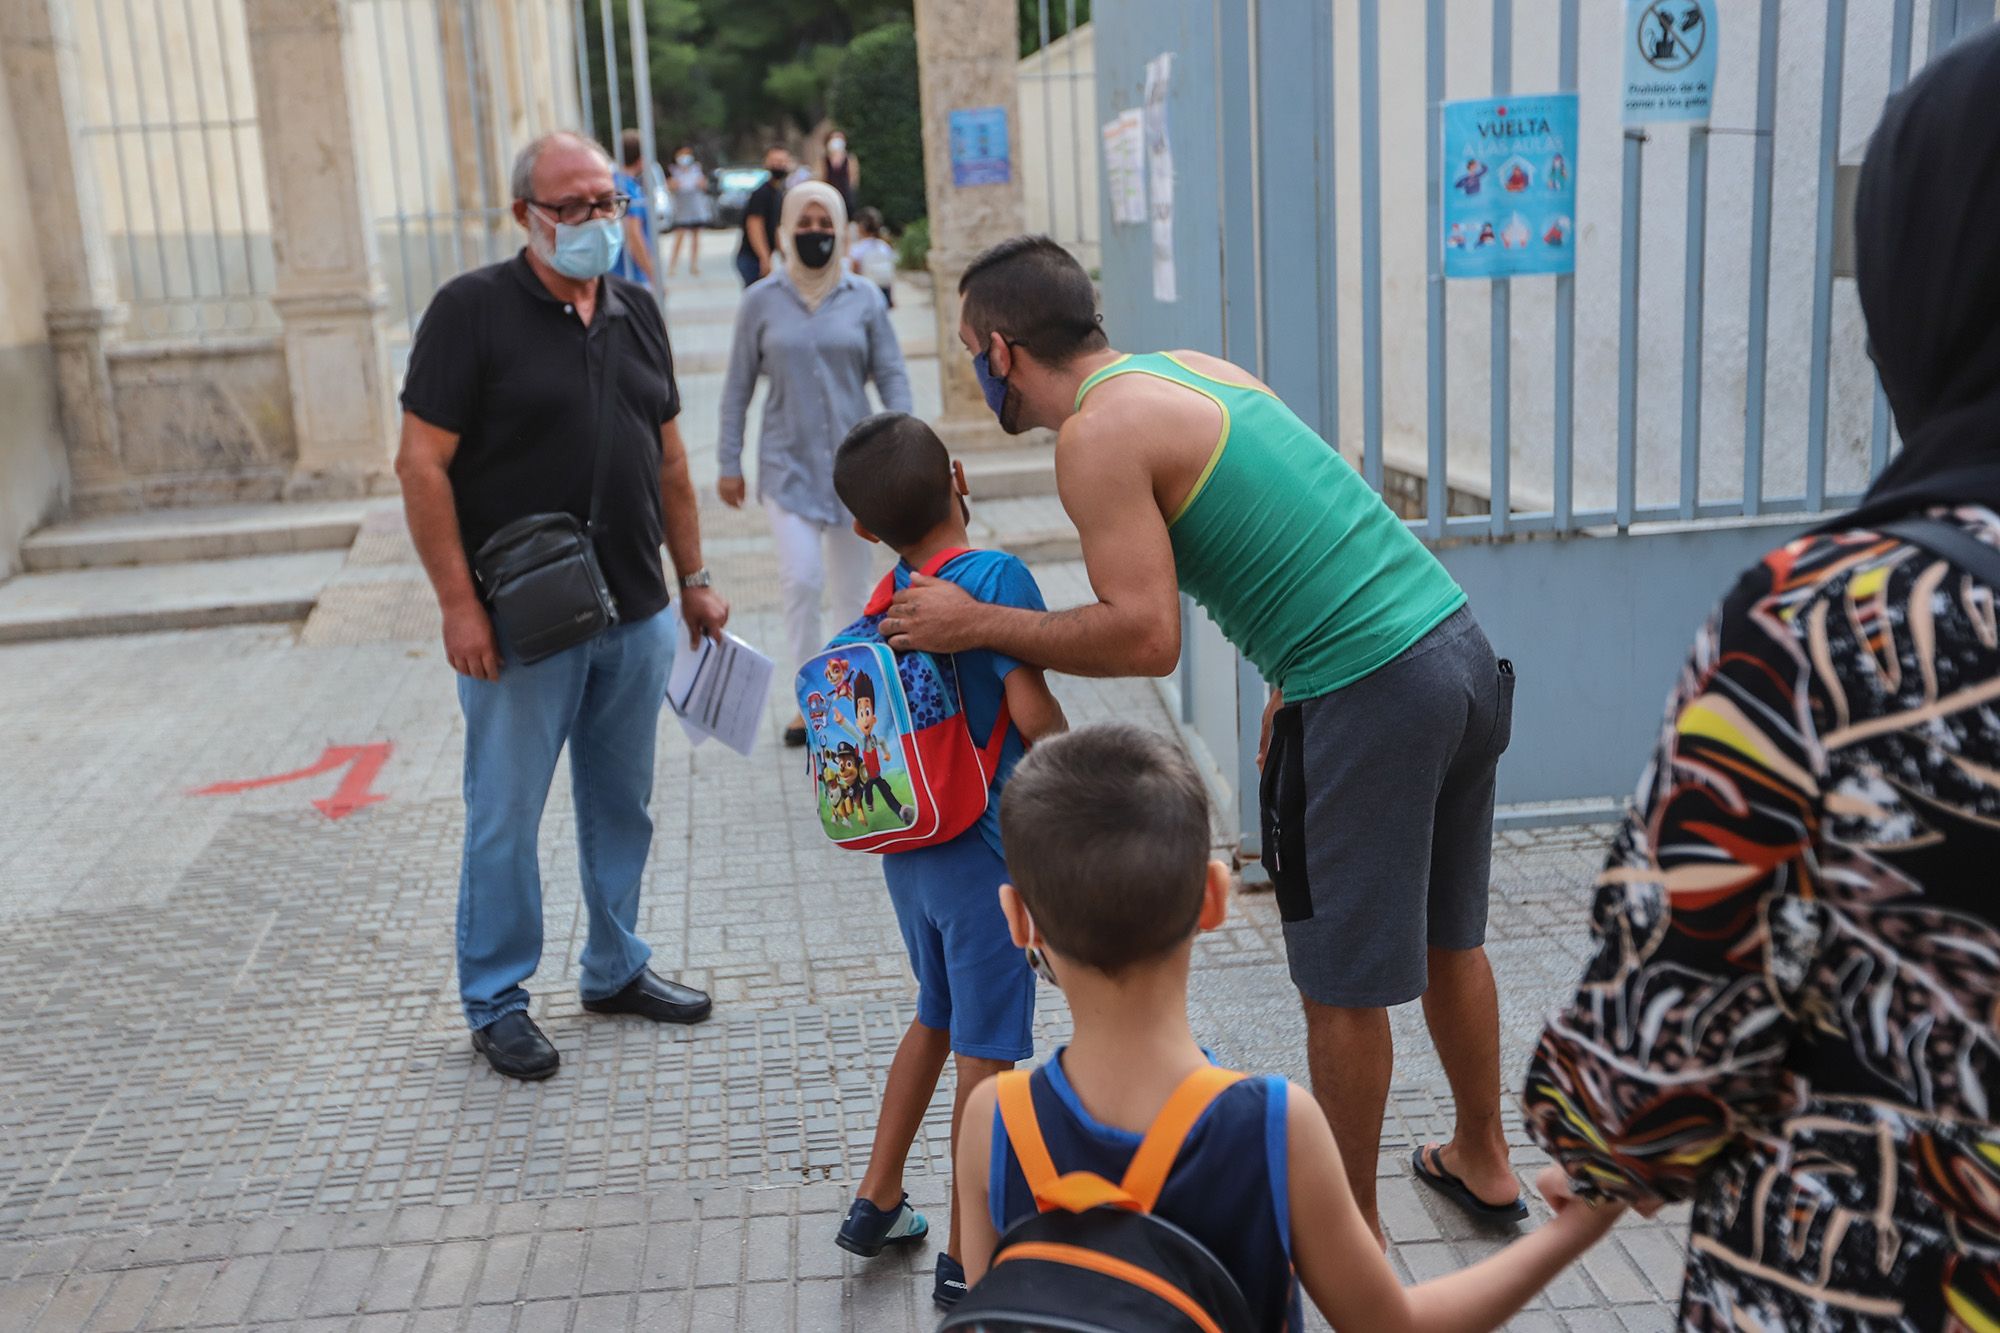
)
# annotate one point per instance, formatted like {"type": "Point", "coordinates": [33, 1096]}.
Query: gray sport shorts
{"type": "Point", "coordinates": [1378, 816]}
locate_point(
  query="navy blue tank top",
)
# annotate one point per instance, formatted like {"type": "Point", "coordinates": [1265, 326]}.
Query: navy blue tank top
{"type": "Point", "coordinates": [1227, 1188]}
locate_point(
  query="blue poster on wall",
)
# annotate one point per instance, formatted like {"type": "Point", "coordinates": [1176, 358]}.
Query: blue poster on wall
{"type": "Point", "coordinates": [979, 146]}
{"type": "Point", "coordinates": [1509, 186]}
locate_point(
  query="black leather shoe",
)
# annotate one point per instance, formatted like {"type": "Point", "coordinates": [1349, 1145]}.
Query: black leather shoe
{"type": "Point", "coordinates": [514, 1046]}
{"type": "Point", "coordinates": [655, 997]}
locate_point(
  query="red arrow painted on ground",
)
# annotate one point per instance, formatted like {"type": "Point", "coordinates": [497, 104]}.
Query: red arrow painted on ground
{"type": "Point", "coordinates": [363, 763]}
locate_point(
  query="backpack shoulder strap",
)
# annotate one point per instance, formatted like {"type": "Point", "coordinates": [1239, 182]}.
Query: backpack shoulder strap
{"type": "Point", "coordinates": [885, 591]}
{"type": "Point", "coordinates": [1147, 1175]}
{"type": "Point", "coordinates": [1075, 1192]}
{"type": "Point", "coordinates": [1024, 1132]}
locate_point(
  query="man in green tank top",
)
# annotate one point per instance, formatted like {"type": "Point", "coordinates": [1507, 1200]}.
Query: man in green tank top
{"type": "Point", "coordinates": [1388, 711]}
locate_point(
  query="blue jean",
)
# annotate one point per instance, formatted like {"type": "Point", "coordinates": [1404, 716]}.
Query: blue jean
{"type": "Point", "coordinates": [748, 267]}
{"type": "Point", "coordinates": [603, 698]}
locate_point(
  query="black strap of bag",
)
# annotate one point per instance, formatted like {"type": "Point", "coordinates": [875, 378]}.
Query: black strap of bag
{"type": "Point", "coordinates": [540, 574]}
{"type": "Point", "coordinates": [600, 460]}
{"type": "Point", "coordinates": [1949, 542]}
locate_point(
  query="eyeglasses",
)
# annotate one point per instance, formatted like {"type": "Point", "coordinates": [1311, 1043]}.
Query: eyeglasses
{"type": "Point", "coordinates": [572, 212]}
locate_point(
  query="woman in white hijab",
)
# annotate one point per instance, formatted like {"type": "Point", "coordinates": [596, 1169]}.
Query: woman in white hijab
{"type": "Point", "coordinates": [820, 333]}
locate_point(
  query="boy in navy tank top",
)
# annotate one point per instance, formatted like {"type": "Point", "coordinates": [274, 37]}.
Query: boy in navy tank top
{"type": "Point", "coordinates": [1107, 837]}
{"type": "Point", "coordinates": [975, 999]}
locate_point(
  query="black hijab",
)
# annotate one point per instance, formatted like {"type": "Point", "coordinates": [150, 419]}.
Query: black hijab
{"type": "Point", "coordinates": [1927, 259]}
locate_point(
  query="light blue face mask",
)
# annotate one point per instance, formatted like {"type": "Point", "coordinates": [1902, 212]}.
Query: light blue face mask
{"type": "Point", "coordinates": [587, 249]}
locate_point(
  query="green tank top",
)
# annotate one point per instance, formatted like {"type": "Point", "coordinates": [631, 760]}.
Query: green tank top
{"type": "Point", "coordinates": [1298, 561]}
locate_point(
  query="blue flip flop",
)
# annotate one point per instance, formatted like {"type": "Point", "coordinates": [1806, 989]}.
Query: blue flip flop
{"type": "Point", "coordinates": [1433, 1172]}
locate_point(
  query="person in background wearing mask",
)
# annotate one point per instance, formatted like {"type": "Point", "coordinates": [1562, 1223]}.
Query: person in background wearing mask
{"type": "Point", "coordinates": [501, 420]}
{"type": "Point", "coordinates": [821, 333]}
{"type": "Point", "coordinates": [840, 169]}
{"type": "Point", "coordinates": [760, 217]}
{"type": "Point", "coordinates": [687, 184]}
{"type": "Point", "coordinates": [635, 253]}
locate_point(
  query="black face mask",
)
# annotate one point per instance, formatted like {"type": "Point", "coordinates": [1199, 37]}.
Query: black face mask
{"type": "Point", "coordinates": [815, 247]}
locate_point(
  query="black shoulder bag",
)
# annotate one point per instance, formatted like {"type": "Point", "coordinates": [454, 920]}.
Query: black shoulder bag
{"type": "Point", "coordinates": [539, 574]}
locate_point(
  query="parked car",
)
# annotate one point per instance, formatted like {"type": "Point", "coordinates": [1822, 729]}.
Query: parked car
{"type": "Point", "coordinates": [732, 191]}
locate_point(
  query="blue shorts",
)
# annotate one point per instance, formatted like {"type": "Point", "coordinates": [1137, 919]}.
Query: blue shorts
{"type": "Point", "coordinates": [971, 980]}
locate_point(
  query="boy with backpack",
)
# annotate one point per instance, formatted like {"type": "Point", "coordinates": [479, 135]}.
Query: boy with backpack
{"type": "Point", "coordinates": [975, 1000]}
{"type": "Point", "coordinates": [1129, 1182]}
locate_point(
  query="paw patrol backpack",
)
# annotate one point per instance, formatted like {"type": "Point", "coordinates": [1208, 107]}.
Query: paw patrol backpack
{"type": "Point", "coordinates": [892, 761]}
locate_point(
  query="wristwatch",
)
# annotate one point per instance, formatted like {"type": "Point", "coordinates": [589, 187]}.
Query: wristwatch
{"type": "Point", "coordinates": [701, 578]}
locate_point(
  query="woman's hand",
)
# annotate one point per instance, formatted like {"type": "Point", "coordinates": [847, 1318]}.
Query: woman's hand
{"type": "Point", "coordinates": [730, 490]}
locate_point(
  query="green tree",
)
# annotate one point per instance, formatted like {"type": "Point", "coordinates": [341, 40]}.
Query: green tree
{"type": "Point", "coordinates": [875, 101]}
{"type": "Point", "coordinates": [728, 73]}
{"type": "Point", "coordinates": [1059, 16]}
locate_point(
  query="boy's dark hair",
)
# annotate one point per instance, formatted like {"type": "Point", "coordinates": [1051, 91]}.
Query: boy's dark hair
{"type": "Point", "coordinates": [864, 688]}
{"type": "Point", "coordinates": [1032, 292]}
{"type": "Point", "coordinates": [870, 220]}
{"type": "Point", "coordinates": [1106, 834]}
{"type": "Point", "coordinates": [893, 474]}
{"type": "Point", "coordinates": [632, 147]}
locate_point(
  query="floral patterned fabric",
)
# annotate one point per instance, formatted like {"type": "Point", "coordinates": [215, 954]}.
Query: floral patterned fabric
{"type": "Point", "coordinates": [1793, 1014]}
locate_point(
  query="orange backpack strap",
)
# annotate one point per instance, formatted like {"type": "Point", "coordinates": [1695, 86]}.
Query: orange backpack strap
{"type": "Point", "coordinates": [1147, 1175]}
{"type": "Point", "coordinates": [1024, 1134]}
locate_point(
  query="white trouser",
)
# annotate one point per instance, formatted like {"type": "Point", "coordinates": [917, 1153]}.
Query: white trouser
{"type": "Point", "coordinates": [816, 558]}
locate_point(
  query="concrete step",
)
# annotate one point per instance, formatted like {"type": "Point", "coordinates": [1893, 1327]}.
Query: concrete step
{"type": "Point", "coordinates": [194, 594]}
{"type": "Point", "coordinates": [1010, 474]}
{"type": "Point", "coordinates": [1034, 528]}
{"type": "Point", "coordinates": [169, 536]}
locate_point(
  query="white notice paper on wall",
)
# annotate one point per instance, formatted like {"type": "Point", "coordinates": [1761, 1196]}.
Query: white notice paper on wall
{"type": "Point", "coordinates": [1160, 174]}
{"type": "Point", "coordinates": [718, 689]}
{"type": "Point", "coordinates": [1125, 165]}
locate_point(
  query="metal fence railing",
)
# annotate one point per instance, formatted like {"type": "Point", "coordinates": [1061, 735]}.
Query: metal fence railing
{"type": "Point", "coordinates": [452, 89]}
{"type": "Point", "coordinates": [169, 127]}
{"type": "Point", "coordinates": [1560, 509]}
{"type": "Point", "coordinates": [449, 89]}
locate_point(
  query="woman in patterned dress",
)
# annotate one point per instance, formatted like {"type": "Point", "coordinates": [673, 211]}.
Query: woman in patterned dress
{"type": "Point", "coordinates": [1793, 1015]}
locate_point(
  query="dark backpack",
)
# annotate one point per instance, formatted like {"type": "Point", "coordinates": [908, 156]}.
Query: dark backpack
{"type": "Point", "coordinates": [1094, 1258]}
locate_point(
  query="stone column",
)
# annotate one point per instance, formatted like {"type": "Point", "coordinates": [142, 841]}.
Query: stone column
{"type": "Point", "coordinates": [329, 287]}
{"type": "Point", "coordinates": [38, 52]}
{"type": "Point", "coordinates": [966, 56]}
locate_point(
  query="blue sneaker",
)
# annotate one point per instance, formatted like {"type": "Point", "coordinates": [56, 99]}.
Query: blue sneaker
{"type": "Point", "coordinates": [868, 1228]}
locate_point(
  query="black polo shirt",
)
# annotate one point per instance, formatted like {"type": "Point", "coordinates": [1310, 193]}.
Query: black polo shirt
{"type": "Point", "coordinates": [507, 367]}
{"type": "Point", "coordinates": [767, 201]}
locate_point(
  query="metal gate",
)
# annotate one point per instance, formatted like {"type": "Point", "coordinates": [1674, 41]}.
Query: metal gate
{"type": "Point", "coordinates": [449, 90]}
{"type": "Point", "coordinates": [1593, 456]}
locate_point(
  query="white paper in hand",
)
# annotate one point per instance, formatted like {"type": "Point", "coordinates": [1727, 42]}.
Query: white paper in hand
{"type": "Point", "coordinates": [718, 689]}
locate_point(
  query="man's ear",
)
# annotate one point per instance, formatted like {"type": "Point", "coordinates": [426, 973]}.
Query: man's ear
{"type": "Point", "coordinates": [958, 483]}
{"type": "Point", "coordinates": [998, 349]}
{"type": "Point", "coordinates": [864, 534]}
{"type": "Point", "coordinates": [521, 211]}
{"type": "Point", "coordinates": [1019, 928]}
{"type": "Point", "coordinates": [1214, 897]}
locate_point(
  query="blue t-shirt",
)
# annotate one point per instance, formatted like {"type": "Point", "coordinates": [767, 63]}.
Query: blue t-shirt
{"type": "Point", "coordinates": [1001, 580]}
{"type": "Point", "coordinates": [628, 185]}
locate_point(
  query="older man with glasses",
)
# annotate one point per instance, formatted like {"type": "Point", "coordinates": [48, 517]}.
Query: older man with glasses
{"type": "Point", "coordinates": [540, 386]}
